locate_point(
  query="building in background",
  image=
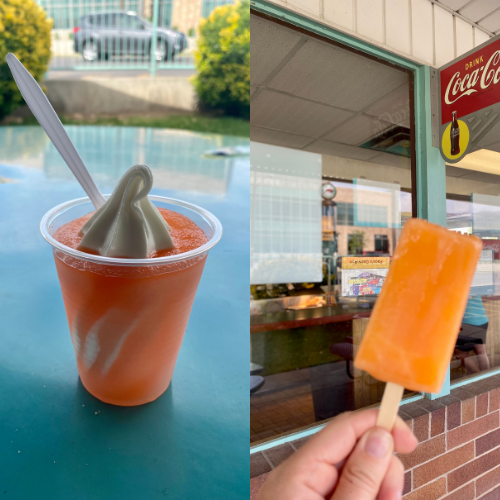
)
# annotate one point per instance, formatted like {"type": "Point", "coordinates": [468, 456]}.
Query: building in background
{"type": "Point", "coordinates": [184, 15]}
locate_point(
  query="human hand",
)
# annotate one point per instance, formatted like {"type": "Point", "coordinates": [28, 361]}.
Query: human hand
{"type": "Point", "coordinates": [350, 459]}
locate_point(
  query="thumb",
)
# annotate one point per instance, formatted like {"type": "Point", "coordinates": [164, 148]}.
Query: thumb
{"type": "Point", "coordinates": [366, 467]}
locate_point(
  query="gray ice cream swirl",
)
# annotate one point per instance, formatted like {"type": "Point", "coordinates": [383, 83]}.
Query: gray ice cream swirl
{"type": "Point", "coordinates": [128, 225]}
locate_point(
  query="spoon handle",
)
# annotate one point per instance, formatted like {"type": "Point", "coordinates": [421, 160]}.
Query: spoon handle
{"type": "Point", "coordinates": [48, 119]}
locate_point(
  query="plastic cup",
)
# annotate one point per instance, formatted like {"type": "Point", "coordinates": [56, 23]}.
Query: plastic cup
{"type": "Point", "coordinates": [127, 317]}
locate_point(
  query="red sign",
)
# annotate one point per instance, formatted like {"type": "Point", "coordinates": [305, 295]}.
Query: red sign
{"type": "Point", "coordinates": [472, 83]}
{"type": "Point", "coordinates": [492, 245]}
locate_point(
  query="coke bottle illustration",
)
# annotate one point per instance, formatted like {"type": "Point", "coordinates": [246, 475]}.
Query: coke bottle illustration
{"type": "Point", "coordinates": [455, 135]}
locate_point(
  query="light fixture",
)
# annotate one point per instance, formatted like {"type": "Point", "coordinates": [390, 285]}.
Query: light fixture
{"type": "Point", "coordinates": [483, 160]}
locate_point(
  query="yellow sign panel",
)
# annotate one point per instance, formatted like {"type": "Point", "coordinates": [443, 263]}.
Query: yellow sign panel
{"type": "Point", "coordinates": [463, 143]}
{"type": "Point", "coordinates": [365, 262]}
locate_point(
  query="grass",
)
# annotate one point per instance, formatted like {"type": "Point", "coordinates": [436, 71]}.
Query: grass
{"type": "Point", "coordinates": [196, 123]}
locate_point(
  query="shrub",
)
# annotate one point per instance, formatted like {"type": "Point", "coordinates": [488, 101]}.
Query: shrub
{"type": "Point", "coordinates": [25, 31]}
{"type": "Point", "coordinates": [223, 60]}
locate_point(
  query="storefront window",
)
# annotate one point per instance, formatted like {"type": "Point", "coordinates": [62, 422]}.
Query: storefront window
{"type": "Point", "coordinates": [353, 114]}
{"type": "Point", "coordinates": [473, 207]}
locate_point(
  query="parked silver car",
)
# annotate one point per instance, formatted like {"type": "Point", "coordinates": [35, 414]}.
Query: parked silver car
{"type": "Point", "coordinates": [106, 34]}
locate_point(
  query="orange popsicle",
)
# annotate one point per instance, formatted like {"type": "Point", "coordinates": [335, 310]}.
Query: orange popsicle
{"type": "Point", "coordinates": [415, 322]}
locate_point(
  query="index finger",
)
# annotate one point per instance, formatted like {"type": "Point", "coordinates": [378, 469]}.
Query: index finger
{"type": "Point", "coordinates": [334, 443]}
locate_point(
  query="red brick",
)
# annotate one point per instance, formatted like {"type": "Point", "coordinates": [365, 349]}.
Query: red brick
{"type": "Point", "coordinates": [472, 430]}
{"type": "Point", "coordinates": [414, 410]}
{"type": "Point", "coordinates": [494, 399]}
{"type": "Point", "coordinates": [256, 484]}
{"type": "Point", "coordinates": [442, 464]}
{"type": "Point", "coordinates": [421, 427]}
{"type": "Point", "coordinates": [453, 415]}
{"type": "Point", "coordinates": [468, 410]}
{"type": "Point", "coordinates": [481, 405]}
{"type": "Point", "coordinates": [258, 465]}
{"type": "Point", "coordinates": [438, 419]}
{"type": "Point", "coordinates": [492, 382]}
{"type": "Point", "coordinates": [465, 493]}
{"type": "Point", "coordinates": [407, 486]}
{"type": "Point", "coordinates": [424, 452]}
{"type": "Point", "coordinates": [473, 469]}
{"type": "Point", "coordinates": [488, 481]}
{"type": "Point", "coordinates": [279, 453]}
{"type": "Point", "coordinates": [487, 442]}
{"type": "Point", "coordinates": [461, 393]}
{"type": "Point", "coordinates": [492, 495]}
{"type": "Point", "coordinates": [431, 491]}
{"type": "Point", "coordinates": [300, 442]}
{"type": "Point", "coordinates": [406, 418]}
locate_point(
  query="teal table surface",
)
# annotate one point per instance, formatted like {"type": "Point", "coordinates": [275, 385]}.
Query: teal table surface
{"type": "Point", "coordinates": [56, 440]}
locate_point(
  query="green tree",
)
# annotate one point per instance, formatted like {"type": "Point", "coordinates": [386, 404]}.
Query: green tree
{"type": "Point", "coordinates": [356, 242]}
{"type": "Point", "coordinates": [223, 60]}
{"type": "Point", "coordinates": [24, 31]}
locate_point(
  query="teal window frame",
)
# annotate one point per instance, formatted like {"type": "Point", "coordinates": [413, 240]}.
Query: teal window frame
{"type": "Point", "coordinates": [430, 167]}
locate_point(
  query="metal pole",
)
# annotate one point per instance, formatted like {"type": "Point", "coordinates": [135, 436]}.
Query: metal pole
{"type": "Point", "coordinates": [326, 262]}
{"type": "Point", "coordinates": [71, 16]}
{"type": "Point", "coordinates": [156, 8]}
{"type": "Point", "coordinates": [329, 297]}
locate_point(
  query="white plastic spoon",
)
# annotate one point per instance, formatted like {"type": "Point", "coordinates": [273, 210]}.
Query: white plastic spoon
{"type": "Point", "coordinates": [47, 118]}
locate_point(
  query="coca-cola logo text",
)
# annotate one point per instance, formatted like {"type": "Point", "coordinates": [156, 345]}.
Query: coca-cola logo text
{"type": "Point", "coordinates": [486, 75]}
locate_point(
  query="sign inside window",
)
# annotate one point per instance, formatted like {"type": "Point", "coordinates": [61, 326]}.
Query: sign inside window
{"type": "Point", "coordinates": [363, 275]}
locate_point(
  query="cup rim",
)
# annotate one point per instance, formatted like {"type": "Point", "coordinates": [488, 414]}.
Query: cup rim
{"type": "Point", "coordinates": [114, 261]}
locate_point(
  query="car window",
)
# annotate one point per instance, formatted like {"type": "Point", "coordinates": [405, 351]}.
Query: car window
{"type": "Point", "coordinates": [130, 22]}
{"type": "Point", "coordinates": [139, 24]}
{"type": "Point", "coordinates": [105, 20]}
{"type": "Point", "coordinates": [120, 20]}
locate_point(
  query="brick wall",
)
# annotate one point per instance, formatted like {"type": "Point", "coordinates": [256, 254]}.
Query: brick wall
{"type": "Point", "coordinates": [458, 456]}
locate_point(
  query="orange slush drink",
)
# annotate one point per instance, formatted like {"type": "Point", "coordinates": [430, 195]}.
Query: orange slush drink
{"type": "Point", "coordinates": [127, 323]}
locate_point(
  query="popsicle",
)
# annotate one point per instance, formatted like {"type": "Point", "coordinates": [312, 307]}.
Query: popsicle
{"type": "Point", "coordinates": [413, 328]}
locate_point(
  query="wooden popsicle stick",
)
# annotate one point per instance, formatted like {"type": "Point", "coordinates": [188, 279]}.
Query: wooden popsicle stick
{"type": "Point", "coordinates": [390, 406]}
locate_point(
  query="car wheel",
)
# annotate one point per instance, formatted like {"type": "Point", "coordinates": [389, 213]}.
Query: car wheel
{"type": "Point", "coordinates": [90, 51]}
{"type": "Point", "coordinates": [161, 52]}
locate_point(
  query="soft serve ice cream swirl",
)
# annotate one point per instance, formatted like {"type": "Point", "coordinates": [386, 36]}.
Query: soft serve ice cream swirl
{"type": "Point", "coordinates": [128, 225]}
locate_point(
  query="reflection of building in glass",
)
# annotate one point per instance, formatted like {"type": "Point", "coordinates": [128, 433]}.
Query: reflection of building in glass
{"type": "Point", "coordinates": [355, 238]}
{"type": "Point", "coordinates": [382, 243]}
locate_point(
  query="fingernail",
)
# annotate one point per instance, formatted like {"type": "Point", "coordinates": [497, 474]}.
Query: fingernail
{"type": "Point", "coordinates": [398, 495]}
{"type": "Point", "coordinates": [378, 443]}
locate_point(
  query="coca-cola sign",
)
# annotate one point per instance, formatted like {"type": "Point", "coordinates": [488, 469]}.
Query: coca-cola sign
{"type": "Point", "coordinates": [493, 245]}
{"type": "Point", "coordinates": [470, 88]}
{"type": "Point", "coordinates": [471, 84]}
